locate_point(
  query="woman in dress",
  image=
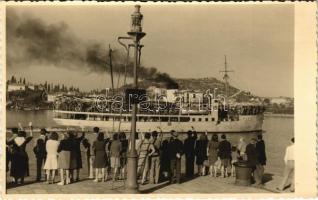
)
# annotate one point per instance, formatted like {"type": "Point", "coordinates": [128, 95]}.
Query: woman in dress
{"type": "Point", "coordinates": [19, 157]}
{"type": "Point", "coordinates": [201, 153]}
{"type": "Point", "coordinates": [64, 158]}
{"type": "Point", "coordinates": [51, 158]}
{"type": "Point", "coordinates": [100, 162]}
{"type": "Point", "coordinates": [115, 149]}
{"type": "Point", "coordinates": [123, 153]}
{"type": "Point", "coordinates": [213, 154]}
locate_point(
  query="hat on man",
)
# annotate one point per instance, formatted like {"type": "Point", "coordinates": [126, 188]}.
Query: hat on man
{"type": "Point", "coordinates": [43, 131]}
{"type": "Point", "coordinates": [174, 133]}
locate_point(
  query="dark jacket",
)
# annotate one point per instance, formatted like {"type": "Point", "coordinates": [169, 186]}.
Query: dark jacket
{"type": "Point", "coordinates": [252, 155]}
{"type": "Point", "coordinates": [260, 148]}
{"type": "Point", "coordinates": [39, 149]}
{"type": "Point", "coordinates": [224, 149]}
{"type": "Point", "coordinates": [188, 147]}
{"type": "Point", "coordinates": [175, 146]}
{"type": "Point", "coordinates": [201, 151]}
{"type": "Point", "coordinates": [65, 145]}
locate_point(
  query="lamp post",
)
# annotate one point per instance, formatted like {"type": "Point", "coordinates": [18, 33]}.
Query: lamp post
{"type": "Point", "coordinates": [135, 34]}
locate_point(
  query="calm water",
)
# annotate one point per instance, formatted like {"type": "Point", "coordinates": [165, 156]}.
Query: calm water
{"type": "Point", "coordinates": [278, 132]}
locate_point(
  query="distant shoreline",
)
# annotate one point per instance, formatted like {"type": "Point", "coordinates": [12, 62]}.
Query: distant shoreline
{"type": "Point", "coordinates": [278, 115]}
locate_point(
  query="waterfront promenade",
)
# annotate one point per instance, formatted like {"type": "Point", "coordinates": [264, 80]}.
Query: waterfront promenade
{"type": "Point", "coordinates": [203, 185]}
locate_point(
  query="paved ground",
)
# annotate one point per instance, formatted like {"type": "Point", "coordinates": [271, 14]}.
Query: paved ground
{"type": "Point", "coordinates": [204, 184]}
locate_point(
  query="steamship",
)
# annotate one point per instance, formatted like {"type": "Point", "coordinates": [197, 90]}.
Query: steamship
{"type": "Point", "coordinates": [212, 115]}
{"type": "Point", "coordinates": [243, 118]}
{"type": "Point", "coordinates": [216, 116]}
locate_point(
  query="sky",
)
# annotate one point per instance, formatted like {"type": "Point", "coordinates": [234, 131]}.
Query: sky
{"type": "Point", "coordinates": [183, 41]}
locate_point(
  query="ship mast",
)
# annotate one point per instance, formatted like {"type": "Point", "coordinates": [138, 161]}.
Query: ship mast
{"type": "Point", "coordinates": [226, 77]}
{"type": "Point", "coordinates": [111, 68]}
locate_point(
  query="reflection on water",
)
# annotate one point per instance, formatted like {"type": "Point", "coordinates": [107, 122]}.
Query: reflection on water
{"type": "Point", "coordinates": [277, 133]}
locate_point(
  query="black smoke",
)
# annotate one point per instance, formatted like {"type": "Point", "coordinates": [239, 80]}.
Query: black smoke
{"type": "Point", "coordinates": [32, 41]}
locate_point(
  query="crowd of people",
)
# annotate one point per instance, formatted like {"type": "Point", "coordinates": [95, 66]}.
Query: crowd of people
{"type": "Point", "coordinates": [159, 157]}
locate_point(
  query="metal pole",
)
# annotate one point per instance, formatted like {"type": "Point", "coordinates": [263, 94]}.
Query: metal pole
{"type": "Point", "coordinates": [132, 157]}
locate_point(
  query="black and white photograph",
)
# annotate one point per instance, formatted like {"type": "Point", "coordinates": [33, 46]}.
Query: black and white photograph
{"type": "Point", "coordinates": [150, 98]}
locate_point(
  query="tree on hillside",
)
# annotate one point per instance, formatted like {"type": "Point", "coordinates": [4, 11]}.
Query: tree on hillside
{"type": "Point", "coordinates": [20, 81]}
{"type": "Point", "coordinates": [23, 81]}
{"type": "Point", "coordinates": [13, 80]}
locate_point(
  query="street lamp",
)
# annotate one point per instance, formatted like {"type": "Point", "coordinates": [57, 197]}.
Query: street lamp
{"type": "Point", "coordinates": [135, 34]}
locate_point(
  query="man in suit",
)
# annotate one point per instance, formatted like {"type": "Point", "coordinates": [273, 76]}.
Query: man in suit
{"type": "Point", "coordinates": [252, 159]}
{"type": "Point", "coordinates": [189, 145]}
{"type": "Point", "coordinates": [175, 149]}
{"type": "Point", "coordinates": [40, 152]}
{"type": "Point", "coordinates": [260, 148]}
{"type": "Point", "coordinates": [224, 153]}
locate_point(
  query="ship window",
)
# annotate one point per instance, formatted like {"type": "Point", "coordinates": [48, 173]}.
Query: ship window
{"type": "Point", "coordinates": [129, 118]}
{"type": "Point", "coordinates": [184, 119]}
{"type": "Point", "coordinates": [174, 119]}
{"type": "Point", "coordinates": [213, 119]}
{"type": "Point", "coordinates": [200, 119]}
{"type": "Point", "coordinates": [164, 119]}
{"type": "Point", "coordinates": [206, 119]}
{"type": "Point", "coordinates": [193, 119]}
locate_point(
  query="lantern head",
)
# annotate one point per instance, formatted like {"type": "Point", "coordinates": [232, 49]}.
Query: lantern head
{"type": "Point", "coordinates": [136, 20]}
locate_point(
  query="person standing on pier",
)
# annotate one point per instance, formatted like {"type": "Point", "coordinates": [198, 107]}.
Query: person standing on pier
{"type": "Point", "coordinates": [189, 147]}
{"type": "Point", "coordinates": [51, 160]}
{"type": "Point", "coordinates": [175, 149]}
{"type": "Point", "coordinates": [145, 151]}
{"type": "Point", "coordinates": [90, 158]}
{"type": "Point", "coordinates": [289, 168]}
{"type": "Point", "coordinates": [224, 152]}
{"type": "Point", "coordinates": [115, 149]}
{"type": "Point", "coordinates": [201, 153]}
{"type": "Point", "coordinates": [76, 156]}
{"type": "Point", "coordinates": [64, 158]}
{"type": "Point", "coordinates": [19, 160]}
{"type": "Point", "coordinates": [261, 152]}
{"type": "Point", "coordinates": [14, 132]}
{"type": "Point", "coordinates": [252, 159]}
{"type": "Point", "coordinates": [123, 154]}
{"type": "Point", "coordinates": [100, 162]}
{"type": "Point", "coordinates": [40, 152]}
{"type": "Point", "coordinates": [213, 154]}
{"type": "Point", "coordinates": [155, 158]}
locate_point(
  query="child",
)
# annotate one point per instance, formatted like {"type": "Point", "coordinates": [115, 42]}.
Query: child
{"type": "Point", "coordinates": [51, 160]}
{"type": "Point", "coordinates": [234, 156]}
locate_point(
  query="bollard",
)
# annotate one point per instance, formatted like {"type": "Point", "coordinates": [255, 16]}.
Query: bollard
{"type": "Point", "coordinates": [243, 173]}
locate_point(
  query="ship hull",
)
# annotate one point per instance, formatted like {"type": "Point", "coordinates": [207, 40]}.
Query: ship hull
{"type": "Point", "coordinates": [246, 123]}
